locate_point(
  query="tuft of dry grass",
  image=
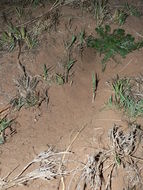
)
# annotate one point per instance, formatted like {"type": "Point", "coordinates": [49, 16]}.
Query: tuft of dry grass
{"type": "Point", "coordinates": [27, 93]}
{"type": "Point", "coordinates": [48, 167]}
{"type": "Point", "coordinates": [119, 154]}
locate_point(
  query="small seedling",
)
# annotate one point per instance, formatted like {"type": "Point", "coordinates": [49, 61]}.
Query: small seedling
{"type": "Point", "coordinates": [93, 87]}
{"type": "Point", "coordinates": [59, 79]}
{"type": "Point", "coordinates": [81, 42]}
{"type": "Point", "coordinates": [68, 62]}
{"type": "Point", "coordinates": [72, 42]}
{"type": "Point", "coordinates": [95, 81]}
{"type": "Point", "coordinates": [68, 67]}
{"type": "Point", "coordinates": [120, 16]}
{"type": "Point", "coordinates": [36, 3]}
{"type": "Point", "coordinates": [64, 78]}
{"type": "Point", "coordinates": [82, 37]}
{"type": "Point", "coordinates": [4, 123]}
{"type": "Point", "coordinates": [111, 44]}
{"type": "Point", "coordinates": [19, 11]}
{"type": "Point", "coordinates": [45, 72]}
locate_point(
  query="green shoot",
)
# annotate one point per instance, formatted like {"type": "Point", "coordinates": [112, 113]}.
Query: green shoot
{"type": "Point", "coordinates": [81, 37]}
{"type": "Point", "coordinates": [95, 81]}
{"type": "Point", "coordinates": [4, 123]}
{"type": "Point", "coordinates": [93, 87]}
{"type": "Point", "coordinates": [120, 16]}
{"type": "Point", "coordinates": [45, 72]}
{"type": "Point", "coordinates": [59, 79]}
{"type": "Point", "coordinates": [72, 42]}
{"type": "Point", "coordinates": [19, 11]}
{"type": "Point", "coordinates": [68, 67]}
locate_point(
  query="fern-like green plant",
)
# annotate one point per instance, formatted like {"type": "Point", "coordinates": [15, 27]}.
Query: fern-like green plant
{"type": "Point", "coordinates": [111, 44]}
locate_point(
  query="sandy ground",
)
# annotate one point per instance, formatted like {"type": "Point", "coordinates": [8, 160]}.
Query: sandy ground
{"type": "Point", "coordinates": [70, 105]}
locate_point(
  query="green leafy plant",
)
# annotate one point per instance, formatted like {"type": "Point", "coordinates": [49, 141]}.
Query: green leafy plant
{"type": "Point", "coordinates": [128, 95]}
{"type": "Point", "coordinates": [111, 44]}
{"type": "Point", "coordinates": [4, 123]}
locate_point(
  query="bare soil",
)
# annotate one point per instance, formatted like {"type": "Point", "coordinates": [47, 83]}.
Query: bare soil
{"type": "Point", "coordinates": [70, 105]}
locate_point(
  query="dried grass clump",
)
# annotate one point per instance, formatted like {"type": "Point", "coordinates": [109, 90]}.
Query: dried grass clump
{"type": "Point", "coordinates": [98, 171]}
{"type": "Point", "coordinates": [125, 144]}
{"type": "Point", "coordinates": [48, 22]}
{"type": "Point", "coordinates": [27, 93]}
{"type": "Point", "coordinates": [92, 174]}
{"type": "Point", "coordinates": [98, 8]}
{"type": "Point", "coordinates": [48, 167]}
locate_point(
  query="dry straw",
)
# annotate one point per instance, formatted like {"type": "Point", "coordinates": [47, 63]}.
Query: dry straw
{"type": "Point", "coordinates": [47, 168]}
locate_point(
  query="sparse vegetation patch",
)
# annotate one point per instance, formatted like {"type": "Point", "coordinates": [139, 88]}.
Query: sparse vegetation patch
{"type": "Point", "coordinates": [128, 95]}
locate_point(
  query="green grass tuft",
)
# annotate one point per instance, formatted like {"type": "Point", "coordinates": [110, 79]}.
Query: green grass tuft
{"type": "Point", "coordinates": [128, 96]}
{"type": "Point", "coordinates": [9, 39]}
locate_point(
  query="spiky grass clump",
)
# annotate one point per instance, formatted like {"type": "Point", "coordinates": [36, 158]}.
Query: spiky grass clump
{"type": "Point", "coordinates": [128, 95]}
{"type": "Point", "coordinates": [100, 11]}
{"type": "Point", "coordinates": [14, 35]}
{"type": "Point", "coordinates": [98, 8]}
